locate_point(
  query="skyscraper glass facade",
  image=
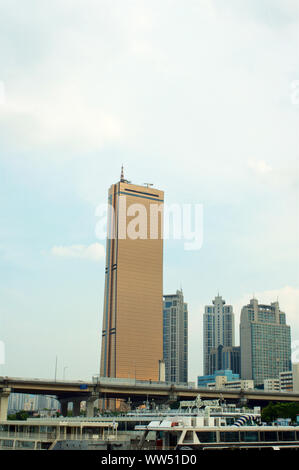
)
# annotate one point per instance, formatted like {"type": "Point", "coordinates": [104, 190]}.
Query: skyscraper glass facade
{"type": "Point", "coordinates": [132, 327]}
{"type": "Point", "coordinates": [265, 342]}
{"type": "Point", "coordinates": [218, 329]}
{"type": "Point", "coordinates": [175, 338]}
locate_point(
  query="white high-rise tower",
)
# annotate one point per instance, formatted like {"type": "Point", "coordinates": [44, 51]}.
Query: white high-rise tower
{"type": "Point", "coordinates": [218, 328]}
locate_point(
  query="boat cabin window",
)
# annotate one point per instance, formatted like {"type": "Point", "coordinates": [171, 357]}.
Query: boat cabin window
{"type": "Point", "coordinates": [25, 444]}
{"type": "Point", "coordinates": [249, 436]}
{"type": "Point", "coordinates": [268, 436]}
{"type": "Point", "coordinates": [7, 443]}
{"type": "Point", "coordinates": [204, 436]}
{"type": "Point", "coordinates": [229, 436]}
{"type": "Point", "coordinates": [286, 436]}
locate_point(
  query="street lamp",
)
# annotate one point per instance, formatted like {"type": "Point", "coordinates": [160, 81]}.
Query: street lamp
{"type": "Point", "coordinates": [66, 367]}
{"type": "Point", "coordinates": [55, 369]}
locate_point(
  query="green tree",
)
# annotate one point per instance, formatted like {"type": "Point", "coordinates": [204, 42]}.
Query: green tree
{"type": "Point", "coordinates": [21, 415]}
{"type": "Point", "coordinates": [280, 410]}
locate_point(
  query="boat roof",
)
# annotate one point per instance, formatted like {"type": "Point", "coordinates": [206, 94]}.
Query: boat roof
{"type": "Point", "coordinates": [60, 423]}
{"type": "Point", "coordinates": [167, 426]}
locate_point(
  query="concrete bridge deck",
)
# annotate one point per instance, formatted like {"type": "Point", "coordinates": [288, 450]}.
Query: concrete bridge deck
{"type": "Point", "coordinates": [135, 390]}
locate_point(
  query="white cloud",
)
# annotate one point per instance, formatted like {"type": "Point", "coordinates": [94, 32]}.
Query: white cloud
{"type": "Point", "coordinates": [94, 252]}
{"type": "Point", "coordinates": [259, 166]}
{"type": "Point", "coordinates": [2, 93]}
{"type": "Point", "coordinates": [67, 118]}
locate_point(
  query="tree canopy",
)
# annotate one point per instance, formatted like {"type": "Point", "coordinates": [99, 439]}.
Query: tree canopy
{"type": "Point", "coordinates": [280, 410]}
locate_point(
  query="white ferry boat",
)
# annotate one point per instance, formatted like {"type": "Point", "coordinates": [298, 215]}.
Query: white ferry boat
{"type": "Point", "coordinates": [217, 426]}
{"type": "Point", "coordinates": [60, 434]}
{"type": "Point", "coordinates": [195, 425]}
{"type": "Point", "coordinates": [185, 434]}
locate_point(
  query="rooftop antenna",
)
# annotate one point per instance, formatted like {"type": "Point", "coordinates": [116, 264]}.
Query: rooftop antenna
{"type": "Point", "coordinates": [148, 184]}
{"type": "Point", "coordinates": [122, 178]}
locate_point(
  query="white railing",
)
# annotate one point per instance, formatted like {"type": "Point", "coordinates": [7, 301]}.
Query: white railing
{"type": "Point", "coordinates": [128, 381]}
{"type": "Point", "coordinates": [36, 436]}
{"type": "Point", "coordinates": [52, 436]}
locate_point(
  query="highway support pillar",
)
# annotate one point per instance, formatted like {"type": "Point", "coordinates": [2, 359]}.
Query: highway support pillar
{"type": "Point", "coordinates": [4, 395]}
{"type": "Point", "coordinates": [63, 406]}
{"type": "Point", "coordinates": [243, 401]}
{"type": "Point", "coordinates": [172, 396]}
{"type": "Point", "coordinates": [76, 407]}
{"type": "Point", "coordinates": [90, 406]}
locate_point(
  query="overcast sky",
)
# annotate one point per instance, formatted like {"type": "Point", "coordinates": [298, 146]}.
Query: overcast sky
{"type": "Point", "coordinates": [198, 97]}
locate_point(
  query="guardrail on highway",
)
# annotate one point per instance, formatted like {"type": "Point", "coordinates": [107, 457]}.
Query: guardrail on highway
{"type": "Point", "coordinates": [127, 381]}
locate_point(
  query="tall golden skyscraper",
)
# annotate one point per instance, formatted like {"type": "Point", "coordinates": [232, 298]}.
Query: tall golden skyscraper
{"type": "Point", "coordinates": [132, 331]}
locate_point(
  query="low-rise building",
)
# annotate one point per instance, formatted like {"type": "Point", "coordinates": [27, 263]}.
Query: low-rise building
{"type": "Point", "coordinates": [219, 377]}
{"type": "Point", "coordinates": [222, 383]}
{"type": "Point", "coordinates": [286, 381]}
{"type": "Point", "coordinates": [295, 370]}
{"type": "Point", "coordinates": [271, 385]}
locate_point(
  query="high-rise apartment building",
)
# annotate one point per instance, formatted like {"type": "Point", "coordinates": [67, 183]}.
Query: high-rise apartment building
{"type": "Point", "coordinates": [218, 329]}
{"type": "Point", "coordinates": [175, 338]}
{"type": "Point", "coordinates": [225, 358]}
{"type": "Point", "coordinates": [132, 329]}
{"type": "Point", "coordinates": [265, 342]}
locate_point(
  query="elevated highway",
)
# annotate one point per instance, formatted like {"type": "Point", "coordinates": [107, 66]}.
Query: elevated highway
{"type": "Point", "coordinates": [136, 391]}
